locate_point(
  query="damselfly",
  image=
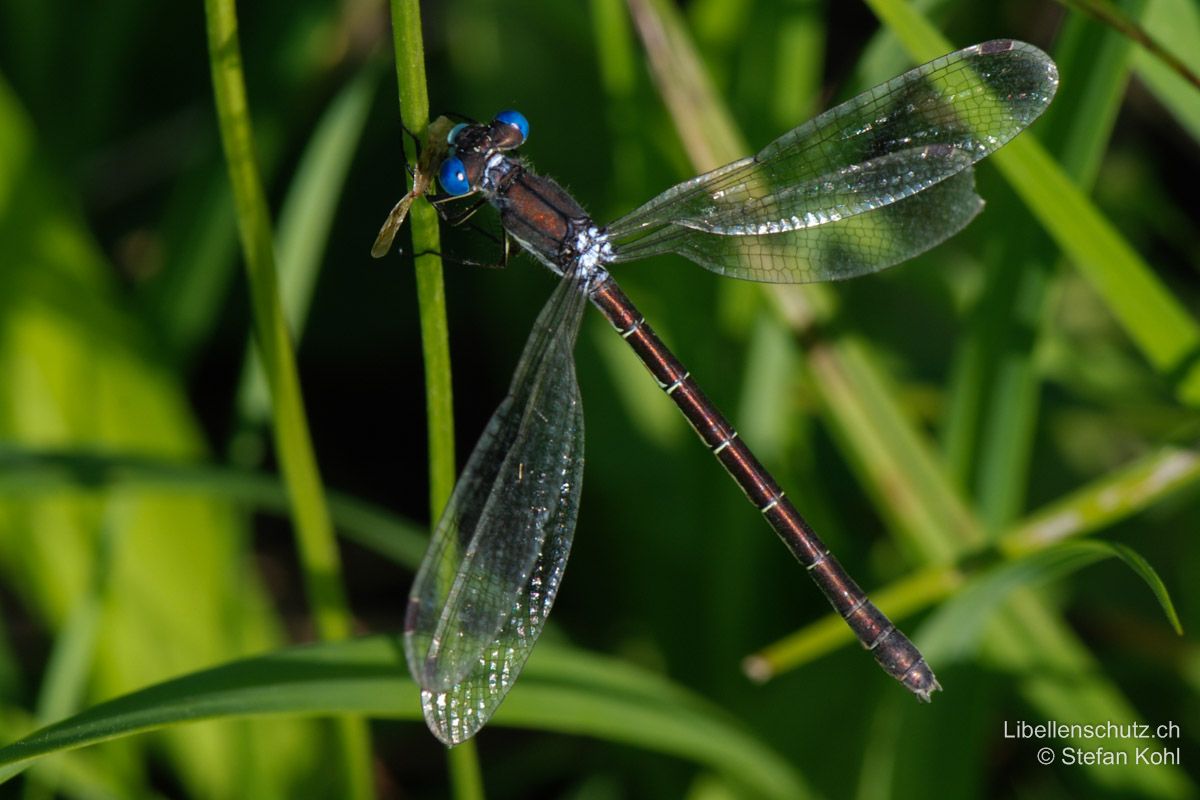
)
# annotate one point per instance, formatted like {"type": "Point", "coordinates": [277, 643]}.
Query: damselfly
{"type": "Point", "coordinates": [864, 186]}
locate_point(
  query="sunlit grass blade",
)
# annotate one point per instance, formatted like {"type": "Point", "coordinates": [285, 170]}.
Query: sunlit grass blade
{"type": "Point", "coordinates": [314, 532]}
{"type": "Point", "coordinates": [80, 773]}
{"type": "Point", "coordinates": [1107, 500]}
{"type": "Point", "coordinates": [339, 678]}
{"type": "Point", "coordinates": [894, 460]}
{"type": "Point", "coordinates": [562, 690]}
{"type": "Point", "coordinates": [431, 298]}
{"type": "Point", "coordinates": [408, 45]}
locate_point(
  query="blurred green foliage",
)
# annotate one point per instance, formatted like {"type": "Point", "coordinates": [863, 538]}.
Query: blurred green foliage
{"type": "Point", "coordinates": [937, 423]}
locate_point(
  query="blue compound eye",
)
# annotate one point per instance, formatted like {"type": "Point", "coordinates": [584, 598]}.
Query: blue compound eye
{"type": "Point", "coordinates": [517, 120]}
{"type": "Point", "coordinates": [453, 176]}
{"type": "Point", "coordinates": [453, 134]}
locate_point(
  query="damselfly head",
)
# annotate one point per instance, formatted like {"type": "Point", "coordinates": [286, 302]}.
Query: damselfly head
{"type": "Point", "coordinates": [472, 144]}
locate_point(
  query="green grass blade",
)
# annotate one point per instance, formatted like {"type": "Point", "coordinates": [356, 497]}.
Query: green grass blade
{"type": "Point", "coordinates": [1142, 568]}
{"type": "Point", "coordinates": [957, 629]}
{"type": "Point", "coordinates": [560, 689]}
{"type": "Point", "coordinates": [81, 774]}
{"type": "Point", "coordinates": [317, 547]}
{"type": "Point", "coordinates": [314, 533]}
{"type": "Point", "coordinates": [465, 773]}
{"type": "Point", "coordinates": [322, 679]}
{"type": "Point", "coordinates": [431, 296]}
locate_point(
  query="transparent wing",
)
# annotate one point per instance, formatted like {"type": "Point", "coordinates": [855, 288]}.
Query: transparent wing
{"type": "Point", "coordinates": [865, 242]}
{"type": "Point", "coordinates": [492, 570]}
{"type": "Point", "coordinates": [881, 148]}
{"type": "Point", "coordinates": [458, 713]}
